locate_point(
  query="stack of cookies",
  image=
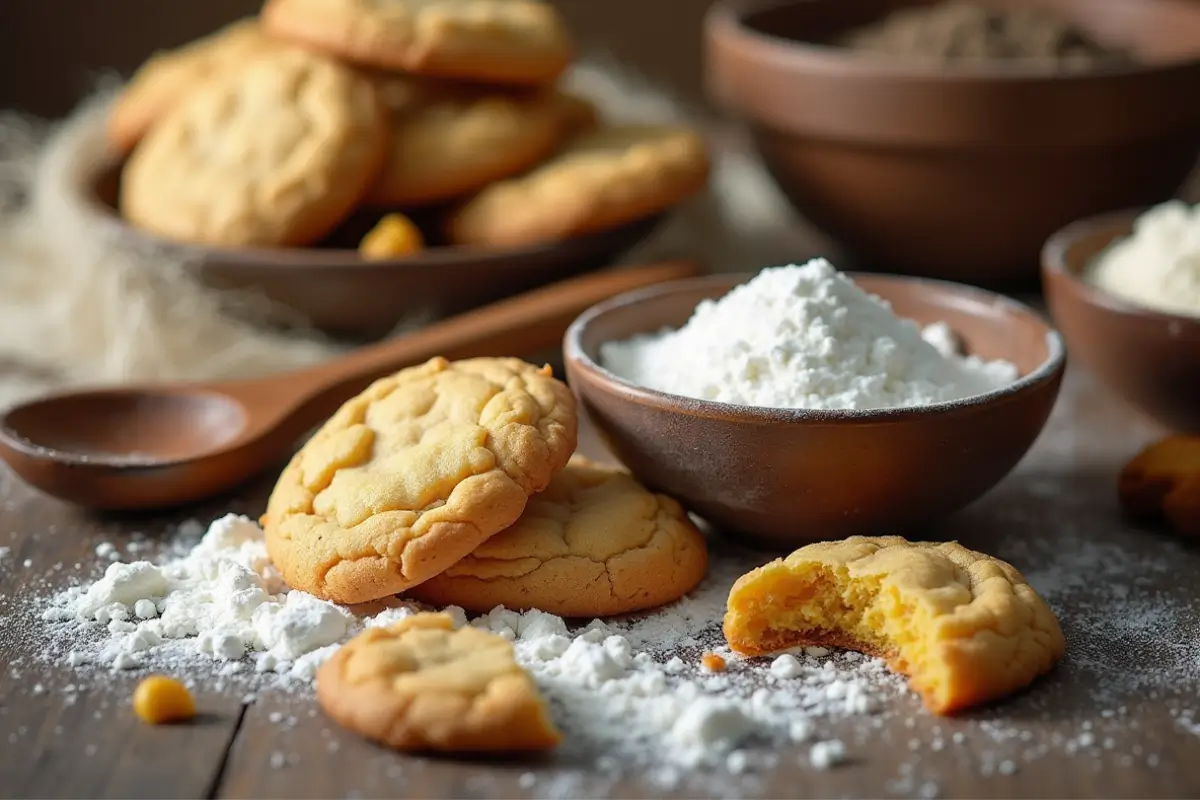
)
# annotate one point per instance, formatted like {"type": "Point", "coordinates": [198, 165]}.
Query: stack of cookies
{"type": "Point", "coordinates": [454, 483]}
{"type": "Point", "coordinates": [273, 131]}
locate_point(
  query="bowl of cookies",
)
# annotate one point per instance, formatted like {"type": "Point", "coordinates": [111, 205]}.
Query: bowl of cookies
{"type": "Point", "coordinates": [359, 166]}
{"type": "Point", "coordinates": [950, 139]}
{"type": "Point", "coordinates": [1124, 288]}
{"type": "Point", "coordinates": [803, 403]}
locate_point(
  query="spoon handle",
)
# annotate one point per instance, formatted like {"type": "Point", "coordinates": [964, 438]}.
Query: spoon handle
{"type": "Point", "coordinates": [525, 323]}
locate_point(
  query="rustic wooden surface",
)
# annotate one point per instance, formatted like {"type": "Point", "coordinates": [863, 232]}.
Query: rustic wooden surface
{"type": "Point", "coordinates": [1063, 490]}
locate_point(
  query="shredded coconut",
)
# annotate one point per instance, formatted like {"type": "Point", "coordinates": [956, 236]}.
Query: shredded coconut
{"type": "Point", "coordinates": [805, 337]}
{"type": "Point", "coordinates": [1159, 265]}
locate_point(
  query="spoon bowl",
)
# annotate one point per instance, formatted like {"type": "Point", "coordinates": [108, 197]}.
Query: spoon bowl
{"type": "Point", "coordinates": [142, 447]}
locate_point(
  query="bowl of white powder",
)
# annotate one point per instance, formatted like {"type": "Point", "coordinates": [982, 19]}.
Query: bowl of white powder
{"type": "Point", "coordinates": [1125, 290]}
{"type": "Point", "coordinates": [802, 403]}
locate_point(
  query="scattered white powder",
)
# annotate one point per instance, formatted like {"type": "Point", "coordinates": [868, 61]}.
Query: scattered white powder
{"type": "Point", "coordinates": [1159, 265]}
{"type": "Point", "coordinates": [633, 688]}
{"type": "Point", "coordinates": [804, 337]}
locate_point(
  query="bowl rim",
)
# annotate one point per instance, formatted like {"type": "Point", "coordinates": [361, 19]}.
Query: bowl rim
{"type": "Point", "coordinates": [1055, 266]}
{"type": "Point", "coordinates": [574, 354]}
{"type": "Point", "coordinates": [726, 20]}
{"type": "Point", "coordinates": [321, 259]}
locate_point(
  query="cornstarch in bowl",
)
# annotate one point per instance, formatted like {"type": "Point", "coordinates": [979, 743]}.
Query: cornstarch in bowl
{"type": "Point", "coordinates": [805, 337]}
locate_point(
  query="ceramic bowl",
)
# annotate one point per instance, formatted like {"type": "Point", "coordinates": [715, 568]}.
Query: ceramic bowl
{"type": "Point", "coordinates": [1150, 358]}
{"type": "Point", "coordinates": [331, 288]}
{"type": "Point", "coordinates": [786, 477]}
{"type": "Point", "coordinates": [957, 174]}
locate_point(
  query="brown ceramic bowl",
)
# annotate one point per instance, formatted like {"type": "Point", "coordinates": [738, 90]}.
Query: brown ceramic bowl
{"type": "Point", "coordinates": [785, 477]}
{"type": "Point", "coordinates": [959, 175]}
{"type": "Point", "coordinates": [1152, 359]}
{"type": "Point", "coordinates": [336, 291]}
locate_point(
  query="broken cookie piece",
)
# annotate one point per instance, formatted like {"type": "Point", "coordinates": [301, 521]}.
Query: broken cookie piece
{"type": "Point", "coordinates": [965, 627]}
{"type": "Point", "coordinates": [1163, 481]}
{"type": "Point", "coordinates": [422, 685]}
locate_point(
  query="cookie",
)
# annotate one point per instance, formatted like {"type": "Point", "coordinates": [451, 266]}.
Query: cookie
{"type": "Point", "coordinates": [275, 153]}
{"type": "Point", "coordinates": [394, 236]}
{"type": "Point", "coordinates": [607, 177]}
{"type": "Point", "coordinates": [965, 627]}
{"type": "Point", "coordinates": [521, 42]}
{"type": "Point", "coordinates": [422, 685]}
{"type": "Point", "coordinates": [415, 473]}
{"type": "Point", "coordinates": [450, 140]}
{"type": "Point", "coordinates": [594, 543]}
{"type": "Point", "coordinates": [1163, 481]}
{"type": "Point", "coordinates": [169, 75]}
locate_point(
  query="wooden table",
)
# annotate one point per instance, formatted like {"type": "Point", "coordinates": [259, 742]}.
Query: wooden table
{"type": "Point", "coordinates": [1114, 720]}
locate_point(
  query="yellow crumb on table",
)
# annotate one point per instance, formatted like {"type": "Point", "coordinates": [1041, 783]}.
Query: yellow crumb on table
{"type": "Point", "coordinates": [159, 699]}
{"type": "Point", "coordinates": [712, 662]}
{"type": "Point", "coordinates": [392, 237]}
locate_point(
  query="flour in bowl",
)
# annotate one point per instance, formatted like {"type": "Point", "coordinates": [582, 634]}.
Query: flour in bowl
{"type": "Point", "coordinates": [1159, 265]}
{"type": "Point", "coordinates": [805, 337]}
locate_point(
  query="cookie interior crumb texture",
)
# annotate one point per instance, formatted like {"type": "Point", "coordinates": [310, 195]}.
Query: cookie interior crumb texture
{"type": "Point", "coordinates": [965, 627]}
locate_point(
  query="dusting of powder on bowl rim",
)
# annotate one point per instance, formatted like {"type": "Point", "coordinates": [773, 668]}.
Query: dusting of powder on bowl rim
{"type": "Point", "coordinates": [804, 337]}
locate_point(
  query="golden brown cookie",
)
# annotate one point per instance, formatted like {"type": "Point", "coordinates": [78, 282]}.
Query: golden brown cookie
{"type": "Point", "coordinates": [594, 543]}
{"type": "Point", "coordinates": [415, 473]}
{"type": "Point", "coordinates": [521, 42]}
{"type": "Point", "coordinates": [965, 627]}
{"type": "Point", "coordinates": [450, 140]}
{"type": "Point", "coordinates": [422, 685]}
{"type": "Point", "coordinates": [170, 75]}
{"type": "Point", "coordinates": [602, 179]}
{"type": "Point", "coordinates": [275, 153]}
{"type": "Point", "coordinates": [1164, 481]}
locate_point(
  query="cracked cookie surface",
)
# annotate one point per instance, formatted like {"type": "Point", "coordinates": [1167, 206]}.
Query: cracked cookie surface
{"type": "Point", "coordinates": [449, 140]}
{"type": "Point", "coordinates": [965, 627]}
{"type": "Point", "coordinates": [415, 473]}
{"type": "Point", "coordinates": [170, 74]}
{"type": "Point", "coordinates": [1164, 481]}
{"type": "Point", "coordinates": [422, 685]}
{"type": "Point", "coordinates": [275, 153]}
{"type": "Point", "coordinates": [594, 543]}
{"type": "Point", "coordinates": [607, 176]}
{"type": "Point", "coordinates": [522, 42]}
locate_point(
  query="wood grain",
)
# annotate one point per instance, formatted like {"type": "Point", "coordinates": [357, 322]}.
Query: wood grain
{"type": "Point", "coordinates": [279, 745]}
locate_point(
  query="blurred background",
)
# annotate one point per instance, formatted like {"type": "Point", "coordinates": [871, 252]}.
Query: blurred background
{"type": "Point", "coordinates": [52, 50]}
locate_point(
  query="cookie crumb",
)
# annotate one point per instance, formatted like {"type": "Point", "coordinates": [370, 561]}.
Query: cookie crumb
{"type": "Point", "coordinates": [713, 662]}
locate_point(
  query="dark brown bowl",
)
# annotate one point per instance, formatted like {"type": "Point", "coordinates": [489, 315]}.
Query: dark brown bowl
{"type": "Point", "coordinates": [960, 175]}
{"type": "Point", "coordinates": [785, 477]}
{"type": "Point", "coordinates": [336, 291]}
{"type": "Point", "coordinates": [1150, 358]}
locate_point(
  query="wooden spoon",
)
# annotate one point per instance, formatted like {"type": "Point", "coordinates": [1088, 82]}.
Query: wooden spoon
{"type": "Point", "coordinates": [153, 446]}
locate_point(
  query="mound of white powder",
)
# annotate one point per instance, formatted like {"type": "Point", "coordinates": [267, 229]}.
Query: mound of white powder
{"type": "Point", "coordinates": [804, 337]}
{"type": "Point", "coordinates": [1159, 265]}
